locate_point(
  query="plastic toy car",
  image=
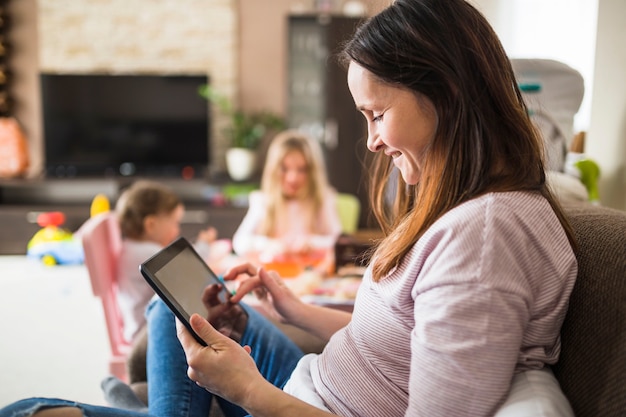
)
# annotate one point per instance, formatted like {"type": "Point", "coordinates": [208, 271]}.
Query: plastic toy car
{"type": "Point", "coordinates": [54, 245]}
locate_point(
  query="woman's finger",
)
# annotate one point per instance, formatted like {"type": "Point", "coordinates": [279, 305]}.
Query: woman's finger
{"type": "Point", "coordinates": [203, 328]}
{"type": "Point", "coordinates": [245, 287]}
{"type": "Point", "coordinates": [270, 279]}
{"type": "Point", "coordinates": [187, 341]}
{"type": "Point", "coordinates": [206, 332]}
{"type": "Point", "coordinates": [246, 268]}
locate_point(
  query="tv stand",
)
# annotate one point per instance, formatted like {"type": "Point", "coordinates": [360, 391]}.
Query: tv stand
{"type": "Point", "coordinates": [21, 200]}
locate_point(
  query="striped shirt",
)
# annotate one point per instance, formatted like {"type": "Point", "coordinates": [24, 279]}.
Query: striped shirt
{"type": "Point", "coordinates": [480, 297]}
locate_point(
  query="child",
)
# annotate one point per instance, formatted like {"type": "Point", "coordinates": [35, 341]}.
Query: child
{"type": "Point", "coordinates": [296, 210]}
{"type": "Point", "coordinates": [149, 215]}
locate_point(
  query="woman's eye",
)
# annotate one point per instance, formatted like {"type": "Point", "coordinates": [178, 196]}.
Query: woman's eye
{"type": "Point", "coordinates": [377, 118]}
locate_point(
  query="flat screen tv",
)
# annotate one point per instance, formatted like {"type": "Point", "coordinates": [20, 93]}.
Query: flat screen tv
{"type": "Point", "coordinates": [125, 125]}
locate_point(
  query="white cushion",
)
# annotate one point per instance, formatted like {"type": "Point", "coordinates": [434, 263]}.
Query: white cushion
{"type": "Point", "coordinates": [566, 187]}
{"type": "Point", "coordinates": [535, 393]}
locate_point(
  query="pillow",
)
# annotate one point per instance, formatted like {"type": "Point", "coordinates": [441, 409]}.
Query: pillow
{"type": "Point", "coordinates": [535, 393]}
{"type": "Point", "coordinates": [567, 188]}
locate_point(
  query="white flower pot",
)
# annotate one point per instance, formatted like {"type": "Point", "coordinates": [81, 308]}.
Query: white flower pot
{"type": "Point", "coordinates": [240, 163]}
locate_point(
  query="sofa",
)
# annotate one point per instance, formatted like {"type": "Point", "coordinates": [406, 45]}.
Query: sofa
{"type": "Point", "coordinates": [592, 366]}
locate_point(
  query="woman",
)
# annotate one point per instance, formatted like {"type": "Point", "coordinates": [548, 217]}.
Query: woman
{"type": "Point", "coordinates": [296, 209]}
{"type": "Point", "coordinates": [468, 290]}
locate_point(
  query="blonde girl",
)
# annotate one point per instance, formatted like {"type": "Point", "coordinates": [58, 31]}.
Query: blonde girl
{"type": "Point", "coordinates": [295, 209]}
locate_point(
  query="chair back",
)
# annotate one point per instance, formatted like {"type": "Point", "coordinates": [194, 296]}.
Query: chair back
{"type": "Point", "coordinates": [102, 243]}
{"type": "Point", "coordinates": [349, 208]}
{"type": "Point", "coordinates": [592, 366]}
{"type": "Point", "coordinates": [553, 92]}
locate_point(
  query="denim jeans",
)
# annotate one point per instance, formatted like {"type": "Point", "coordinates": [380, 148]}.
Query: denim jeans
{"type": "Point", "coordinates": [171, 392]}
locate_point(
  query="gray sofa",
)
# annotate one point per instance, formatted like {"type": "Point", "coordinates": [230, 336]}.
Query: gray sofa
{"type": "Point", "coordinates": [592, 365]}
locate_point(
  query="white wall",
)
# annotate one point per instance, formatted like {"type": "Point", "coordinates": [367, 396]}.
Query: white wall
{"type": "Point", "coordinates": [587, 35]}
{"type": "Point", "coordinates": [563, 30]}
{"type": "Point", "coordinates": [606, 141]}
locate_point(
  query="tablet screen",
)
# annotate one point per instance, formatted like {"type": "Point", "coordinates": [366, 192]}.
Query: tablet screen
{"type": "Point", "coordinates": [185, 278]}
{"type": "Point", "coordinates": [179, 276]}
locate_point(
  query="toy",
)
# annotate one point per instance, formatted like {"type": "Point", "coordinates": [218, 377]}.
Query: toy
{"type": "Point", "coordinates": [589, 175]}
{"type": "Point", "coordinates": [99, 204]}
{"type": "Point", "coordinates": [54, 245]}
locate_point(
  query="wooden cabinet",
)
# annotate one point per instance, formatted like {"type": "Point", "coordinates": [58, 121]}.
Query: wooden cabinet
{"type": "Point", "coordinates": [22, 200]}
{"type": "Point", "coordinates": [320, 103]}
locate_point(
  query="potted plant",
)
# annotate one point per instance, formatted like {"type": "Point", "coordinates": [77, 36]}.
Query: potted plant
{"type": "Point", "coordinates": [245, 133]}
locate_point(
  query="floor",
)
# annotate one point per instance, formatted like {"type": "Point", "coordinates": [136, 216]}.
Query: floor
{"type": "Point", "coordinates": [54, 341]}
{"type": "Point", "coordinates": [53, 334]}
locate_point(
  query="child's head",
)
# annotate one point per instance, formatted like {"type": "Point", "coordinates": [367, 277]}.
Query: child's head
{"type": "Point", "coordinates": [294, 167]}
{"type": "Point", "coordinates": [150, 211]}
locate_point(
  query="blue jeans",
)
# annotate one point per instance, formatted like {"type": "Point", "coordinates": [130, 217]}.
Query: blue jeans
{"type": "Point", "coordinates": [171, 392]}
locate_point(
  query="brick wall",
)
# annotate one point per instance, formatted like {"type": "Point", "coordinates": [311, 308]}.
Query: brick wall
{"type": "Point", "coordinates": [144, 36]}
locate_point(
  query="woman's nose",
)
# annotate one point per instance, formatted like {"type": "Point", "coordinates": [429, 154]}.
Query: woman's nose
{"type": "Point", "coordinates": [374, 142]}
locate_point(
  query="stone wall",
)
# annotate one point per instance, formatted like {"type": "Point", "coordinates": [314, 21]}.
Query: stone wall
{"type": "Point", "coordinates": [144, 36]}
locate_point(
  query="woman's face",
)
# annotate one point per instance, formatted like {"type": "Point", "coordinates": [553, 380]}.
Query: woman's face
{"type": "Point", "coordinates": [399, 122]}
{"type": "Point", "coordinates": [294, 174]}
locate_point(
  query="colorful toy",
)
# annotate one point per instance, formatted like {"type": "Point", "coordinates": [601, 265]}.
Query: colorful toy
{"type": "Point", "coordinates": [54, 245]}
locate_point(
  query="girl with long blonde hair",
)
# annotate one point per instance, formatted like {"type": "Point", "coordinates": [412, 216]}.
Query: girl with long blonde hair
{"type": "Point", "coordinates": [296, 209]}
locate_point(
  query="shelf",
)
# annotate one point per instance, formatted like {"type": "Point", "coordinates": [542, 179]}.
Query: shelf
{"type": "Point", "coordinates": [22, 200]}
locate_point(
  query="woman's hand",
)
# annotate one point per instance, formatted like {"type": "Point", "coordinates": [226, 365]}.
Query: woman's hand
{"type": "Point", "coordinates": [222, 367]}
{"type": "Point", "coordinates": [214, 300]}
{"type": "Point", "coordinates": [226, 369]}
{"type": "Point", "coordinates": [276, 298]}
{"type": "Point", "coordinates": [281, 304]}
{"type": "Point", "coordinates": [228, 318]}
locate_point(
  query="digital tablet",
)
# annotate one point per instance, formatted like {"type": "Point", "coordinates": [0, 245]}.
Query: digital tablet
{"type": "Point", "coordinates": [179, 275]}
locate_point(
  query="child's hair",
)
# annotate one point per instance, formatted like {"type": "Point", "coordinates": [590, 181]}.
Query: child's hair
{"type": "Point", "coordinates": [317, 182]}
{"type": "Point", "coordinates": [142, 199]}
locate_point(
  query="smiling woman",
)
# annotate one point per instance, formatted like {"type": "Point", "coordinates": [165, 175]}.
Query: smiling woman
{"type": "Point", "coordinates": [453, 284]}
{"type": "Point", "coordinates": [398, 125]}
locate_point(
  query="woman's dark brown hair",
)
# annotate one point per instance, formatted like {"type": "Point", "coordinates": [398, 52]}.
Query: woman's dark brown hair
{"type": "Point", "coordinates": [485, 142]}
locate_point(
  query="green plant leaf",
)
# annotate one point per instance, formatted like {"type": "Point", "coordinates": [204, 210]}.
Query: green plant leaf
{"type": "Point", "coordinates": [246, 130]}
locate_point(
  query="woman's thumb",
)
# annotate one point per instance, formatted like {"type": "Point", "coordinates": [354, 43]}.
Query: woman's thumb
{"type": "Point", "coordinates": [202, 328]}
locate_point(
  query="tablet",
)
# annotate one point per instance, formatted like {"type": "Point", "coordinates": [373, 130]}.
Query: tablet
{"type": "Point", "coordinates": [179, 275]}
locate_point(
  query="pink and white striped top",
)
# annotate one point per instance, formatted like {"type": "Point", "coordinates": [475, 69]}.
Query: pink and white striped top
{"type": "Point", "coordinates": [480, 297]}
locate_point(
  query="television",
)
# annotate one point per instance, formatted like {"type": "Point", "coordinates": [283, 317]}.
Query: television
{"type": "Point", "coordinates": [98, 125]}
